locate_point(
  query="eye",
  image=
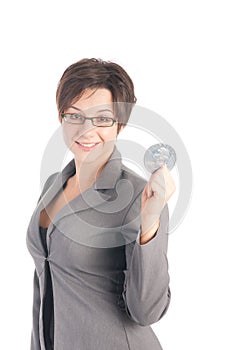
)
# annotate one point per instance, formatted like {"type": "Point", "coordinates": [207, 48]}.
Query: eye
{"type": "Point", "coordinates": [76, 116]}
{"type": "Point", "coordinates": [103, 119]}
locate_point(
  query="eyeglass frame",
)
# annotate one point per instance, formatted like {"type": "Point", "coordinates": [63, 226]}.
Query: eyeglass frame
{"type": "Point", "coordinates": [63, 115]}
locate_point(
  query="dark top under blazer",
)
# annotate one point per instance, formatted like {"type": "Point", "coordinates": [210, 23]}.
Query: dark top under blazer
{"type": "Point", "coordinates": [107, 287]}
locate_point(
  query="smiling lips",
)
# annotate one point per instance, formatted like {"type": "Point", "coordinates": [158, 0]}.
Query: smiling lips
{"type": "Point", "coordinates": [86, 146]}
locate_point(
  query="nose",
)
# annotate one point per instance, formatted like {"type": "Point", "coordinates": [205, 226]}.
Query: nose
{"type": "Point", "coordinates": [86, 128]}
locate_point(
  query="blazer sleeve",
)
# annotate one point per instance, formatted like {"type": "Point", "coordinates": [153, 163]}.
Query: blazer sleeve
{"type": "Point", "coordinates": [146, 291]}
{"type": "Point", "coordinates": [35, 338]}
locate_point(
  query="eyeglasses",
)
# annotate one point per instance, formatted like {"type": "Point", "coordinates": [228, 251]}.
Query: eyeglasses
{"type": "Point", "coordinates": [74, 118]}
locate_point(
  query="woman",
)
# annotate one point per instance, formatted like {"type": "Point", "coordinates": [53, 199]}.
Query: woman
{"type": "Point", "coordinates": [98, 235]}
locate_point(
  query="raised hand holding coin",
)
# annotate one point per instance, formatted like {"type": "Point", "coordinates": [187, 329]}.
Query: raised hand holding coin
{"type": "Point", "coordinates": [159, 160]}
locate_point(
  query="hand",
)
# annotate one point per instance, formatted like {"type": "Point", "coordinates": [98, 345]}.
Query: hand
{"type": "Point", "coordinates": [155, 195]}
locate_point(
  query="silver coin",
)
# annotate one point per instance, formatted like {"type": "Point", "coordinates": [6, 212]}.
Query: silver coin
{"type": "Point", "coordinates": [157, 155]}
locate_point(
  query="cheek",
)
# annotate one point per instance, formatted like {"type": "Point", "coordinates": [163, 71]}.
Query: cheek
{"type": "Point", "coordinates": [108, 133]}
{"type": "Point", "coordinates": [68, 134]}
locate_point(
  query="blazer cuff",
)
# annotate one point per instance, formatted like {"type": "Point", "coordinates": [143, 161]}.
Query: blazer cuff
{"type": "Point", "coordinates": [150, 240]}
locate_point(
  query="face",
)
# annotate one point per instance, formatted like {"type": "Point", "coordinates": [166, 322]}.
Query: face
{"type": "Point", "coordinates": [87, 142]}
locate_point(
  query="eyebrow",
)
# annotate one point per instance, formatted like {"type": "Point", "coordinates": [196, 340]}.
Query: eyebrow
{"type": "Point", "coordinates": [101, 110]}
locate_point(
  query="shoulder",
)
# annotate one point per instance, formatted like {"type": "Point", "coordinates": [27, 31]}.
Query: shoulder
{"type": "Point", "coordinates": [135, 179]}
{"type": "Point", "coordinates": [131, 219]}
{"type": "Point", "coordinates": [50, 179]}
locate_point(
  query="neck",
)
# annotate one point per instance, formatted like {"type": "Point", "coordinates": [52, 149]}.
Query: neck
{"type": "Point", "coordinates": [87, 173]}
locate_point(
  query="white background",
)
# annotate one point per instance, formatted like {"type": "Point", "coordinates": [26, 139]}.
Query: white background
{"type": "Point", "coordinates": [179, 55]}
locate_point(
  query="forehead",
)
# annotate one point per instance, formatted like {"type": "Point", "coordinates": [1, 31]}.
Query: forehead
{"type": "Point", "coordinates": [94, 100]}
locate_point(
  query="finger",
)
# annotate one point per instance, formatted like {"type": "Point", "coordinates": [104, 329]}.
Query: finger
{"type": "Point", "coordinates": [162, 177]}
{"type": "Point", "coordinates": [158, 191]}
{"type": "Point", "coordinates": [160, 173]}
{"type": "Point", "coordinates": [149, 191]}
{"type": "Point", "coordinates": [157, 181]}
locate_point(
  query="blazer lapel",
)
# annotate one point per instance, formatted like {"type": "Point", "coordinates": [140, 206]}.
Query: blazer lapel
{"type": "Point", "coordinates": [93, 196]}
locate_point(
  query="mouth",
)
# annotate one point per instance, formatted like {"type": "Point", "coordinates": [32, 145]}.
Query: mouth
{"type": "Point", "coordinates": [87, 146]}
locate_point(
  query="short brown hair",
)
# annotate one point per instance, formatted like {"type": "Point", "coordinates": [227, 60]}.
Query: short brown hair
{"type": "Point", "coordinates": [93, 74]}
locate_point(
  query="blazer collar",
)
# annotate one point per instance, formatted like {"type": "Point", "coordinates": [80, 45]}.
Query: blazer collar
{"type": "Point", "coordinates": [109, 175]}
{"type": "Point", "coordinates": [90, 198]}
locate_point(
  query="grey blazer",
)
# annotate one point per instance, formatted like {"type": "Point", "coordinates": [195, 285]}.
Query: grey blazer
{"type": "Point", "coordinates": [107, 287]}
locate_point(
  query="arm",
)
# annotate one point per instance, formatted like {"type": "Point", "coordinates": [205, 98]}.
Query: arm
{"type": "Point", "coordinates": [146, 291]}
{"type": "Point", "coordinates": [35, 339]}
{"type": "Point", "coordinates": [146, 236]}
